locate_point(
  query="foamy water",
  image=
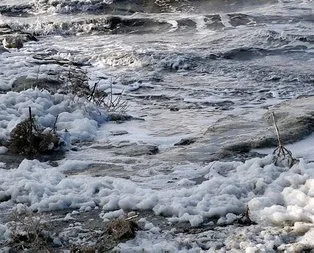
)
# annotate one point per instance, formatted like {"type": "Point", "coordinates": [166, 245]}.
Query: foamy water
{"type": "Point", "coordinates": [181, 66]}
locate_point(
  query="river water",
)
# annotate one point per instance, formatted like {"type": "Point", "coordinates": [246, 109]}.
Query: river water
{"type": "Point", "coordinates": [202, 56]}
{"type": "Point", "coordinates": [180, 65]}
{"type": "Point", "coordinates": [191, 53]}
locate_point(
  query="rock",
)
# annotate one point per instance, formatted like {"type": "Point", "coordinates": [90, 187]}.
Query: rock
{"type": "Point", "coordinates": [185, 142]}
{"type": "Point", "coordinates": [121, 229]}
{"type": "Point", "coordinates": [234, 135]}
{"type": "Point", "coordinates": [24, 83]}
{"type": "Point", "coordinates": [4, 197]}
{"type": "Point", "coordinates": [136, 150]}
{"type": "Point", "coordinates": [119, 117]}
{"type": "Point", "coordinates": [11, 41]}
{"type": "Point", "coordinates": [174, 109]}
{"type": "Point", "coordinates": [3, 50]}
{"type": "Point", "coordinates": [12, 38]}
{"type": "Point", "coordinates": [11, 160]}
{"type": "Point", "coordinates": [99, 170]}
{"type": "Point", "coordinates": [5, 29]}
{"type": "Point", "coordinates": [117, 133]}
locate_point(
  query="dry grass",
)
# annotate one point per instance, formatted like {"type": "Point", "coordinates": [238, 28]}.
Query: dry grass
{"type": "Point", "coordinates": [107, 100]}
{"type": "Point", "coordinates": [28, 233]}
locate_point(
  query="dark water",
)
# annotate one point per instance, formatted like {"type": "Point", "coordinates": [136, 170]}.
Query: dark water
{"type": "Point", "coordinates": [129, 7]}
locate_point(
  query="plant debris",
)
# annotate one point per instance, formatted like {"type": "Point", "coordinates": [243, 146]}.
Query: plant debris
{"type": "Point", "coordinates": [281, 155]}
{"type": "Point", "coordinates": [107, 100]}
{"type": "Point", "coordinates": [28, 233]}
{"type": "Point", "coordinates": [27, 138]}
{"type": "Point", "coordinates": [245, 219]}
{"type": "Point", "coordinates": [122, 229]}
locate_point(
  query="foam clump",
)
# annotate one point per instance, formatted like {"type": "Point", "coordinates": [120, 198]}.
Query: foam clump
{"type": "Point", "coordinates": [79, 118]}
{"type": "Point", "coordinates": [270, 195]}
{"type": "Point", "coordinates": [284, 197]}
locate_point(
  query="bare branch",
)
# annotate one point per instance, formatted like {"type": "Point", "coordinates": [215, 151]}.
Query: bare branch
{"type": "Point", "coordinates": [282, 156]}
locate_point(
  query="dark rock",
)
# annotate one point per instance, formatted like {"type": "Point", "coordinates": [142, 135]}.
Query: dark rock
{"type": "Point", "coordinates": [5, 29]}
{"type": "Point", "coordinates": [122, 229]}
{"type": "Point", "coordinates": [117, 133]}
{"type": "Point", "coordinates": [120, 117]}
{"type": "Point", "coordinates": [245, 53]}
{"type": "Point", "coordinates": [24, 83]}
{"type": "Point", "coordinates": [136, 150]}
{"type": "Point", "coordinates": [174, 109]}
{"type": "Point", "coordinates": [4, 197]}
{"type": "Point", "coordinates": [238, 19]}
{"type": "Point", "coordinates": [234, 136]}
{"type": "Point", "coordinates": [185, 142]}
{"type": "Point", "coordinates": [15, 40]}
{"type": "Point", "coordinates": [10, 41]}
{"type": "Point", "coordinates": [241, 147]}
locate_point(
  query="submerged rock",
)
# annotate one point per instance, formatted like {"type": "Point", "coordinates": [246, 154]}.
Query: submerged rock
{"type": "Point", "coordinates": [118, 133]}
{"type": "Point", "coordinates": [234, 135]}
{"type": "Point", "coordinates": [121, 117]}
{"type": "Point", "coordinates": [17, 40]}
{"type": "Point", "coordinates": [185, 142]}
{"type": "Point", "coordinates": [24, 83]}
{"type": "Point", "coordinates": [136, 150]}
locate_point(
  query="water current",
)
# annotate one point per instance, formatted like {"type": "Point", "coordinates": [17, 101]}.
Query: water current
{"type": "Point", "coordinates": [180, 64]}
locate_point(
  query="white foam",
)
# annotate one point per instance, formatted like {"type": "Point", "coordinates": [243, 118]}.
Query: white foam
{"type": "Point", "coordinates": [75, 116]}
{"type": "Point", "coordinates": [285, 195]}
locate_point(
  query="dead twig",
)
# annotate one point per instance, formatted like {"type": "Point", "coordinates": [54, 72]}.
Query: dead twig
{"type": "Point", "coordinates": [281, 155]}
{"type": "Point", "coordinates": [107, 100]}
{"type": "Point", "coordinates": [54, 129]}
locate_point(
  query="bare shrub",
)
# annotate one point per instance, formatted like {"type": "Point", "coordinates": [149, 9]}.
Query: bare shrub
{"type": "Point", "coordinates": [28, 232]}
{"type": "Point", "coordinates": [27, 138]}
{"type": "Point", "coordinates": [77, 84]}
{"type": "Point", "coordinates": [281, 155]}
{"type": "Point", "coordinates": [107, 100]}
{"type": "Point", "coordinates": [245, 219]}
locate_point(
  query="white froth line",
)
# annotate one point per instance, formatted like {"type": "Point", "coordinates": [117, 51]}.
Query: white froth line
{"type": "Point", "coordinates": [174, 24]}
{"type": "Point", "coordinates": [225, 20]}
